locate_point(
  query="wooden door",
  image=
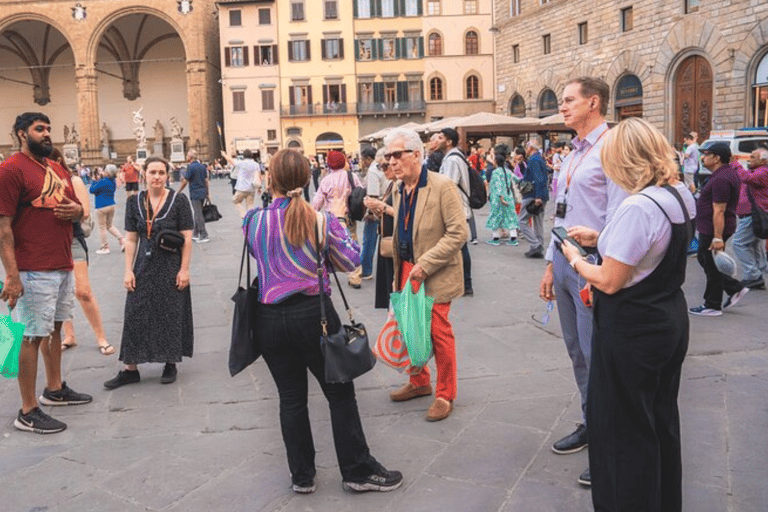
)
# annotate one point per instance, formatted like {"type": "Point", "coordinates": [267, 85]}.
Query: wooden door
{"type": "Point", "coordinates": [693, 98]}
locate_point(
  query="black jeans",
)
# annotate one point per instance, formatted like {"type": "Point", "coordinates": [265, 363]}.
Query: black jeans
{"type": "Point", "coordinates": [717, 282]}
{"type": "Point", "coordinates": [467, 261]}
{"type": "Point", "coordinates": [289, 337]}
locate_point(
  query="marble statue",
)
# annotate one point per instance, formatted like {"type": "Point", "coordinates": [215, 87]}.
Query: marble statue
{"type": "Point", "coordinates": [159, 132]}
{"type": "Point", "coordinates": [104, 136]}
{"type": "Point", "coordinates": [139, 128]}
{"type": "Point", "coordinates": [176, 129]}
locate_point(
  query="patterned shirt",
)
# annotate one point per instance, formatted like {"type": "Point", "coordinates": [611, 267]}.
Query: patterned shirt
{"type": "Point", "coordinates": [285, 270]}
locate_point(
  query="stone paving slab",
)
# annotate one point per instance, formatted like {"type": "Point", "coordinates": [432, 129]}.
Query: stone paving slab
{"type": "Point", "coordinates": [211, 443]}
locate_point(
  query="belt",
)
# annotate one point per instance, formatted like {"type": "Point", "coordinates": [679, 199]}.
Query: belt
{"type": "Point", "coordinates": [744, 216]}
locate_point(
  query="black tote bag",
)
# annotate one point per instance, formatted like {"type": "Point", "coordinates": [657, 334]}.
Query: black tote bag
{"type": "Point", "coordinates": [347, 353]}
{"type": "Point", "coordinates": [244, 347]}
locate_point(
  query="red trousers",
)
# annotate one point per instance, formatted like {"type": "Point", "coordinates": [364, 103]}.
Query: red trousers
{"type": "Point", "coordinates": [443, 343]}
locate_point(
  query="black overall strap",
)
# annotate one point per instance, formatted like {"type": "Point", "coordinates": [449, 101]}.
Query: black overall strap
{"type": "Point", "coordinates": [244, 260]}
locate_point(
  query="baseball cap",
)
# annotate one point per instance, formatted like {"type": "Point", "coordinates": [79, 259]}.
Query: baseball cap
{"type": "Point", "coordinates": [721, 149]}
{"type": "Point", "coordinates": [336, 160]}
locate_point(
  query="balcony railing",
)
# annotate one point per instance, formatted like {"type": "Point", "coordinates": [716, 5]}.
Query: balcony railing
{"type": "Point", "coordinates": [401, 107]}
{"type": "Point", "coordinates": [318, 109]}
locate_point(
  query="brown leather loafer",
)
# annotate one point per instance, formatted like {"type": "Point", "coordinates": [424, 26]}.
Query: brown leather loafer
{"type": "Point", "coordinates": [439, 410]}
{"type": "Point", "coordinates": [409, 392]}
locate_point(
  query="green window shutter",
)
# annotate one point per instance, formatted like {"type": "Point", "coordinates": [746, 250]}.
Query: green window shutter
{"type": "Point", "coordinates": [380, 43]}
{"type": "Point", "coordinates": [419, 7]}
{"type": "Point", "coordinates": [398, 47]}
{"type": "Point", "coordinates": [421, 47]}
{"type": "Point", "coordinates": [378, 92]}
{"type": "Point", "coordinates": [354, 8]}
{"type": "Point", "coordinates": [374, 11]}
{"type": "Point", "coordinates": [402, 92]}
{"type": "Point", "coordinates": [309, 57]}
{"type": "Point", "coordinates": [357, 49]}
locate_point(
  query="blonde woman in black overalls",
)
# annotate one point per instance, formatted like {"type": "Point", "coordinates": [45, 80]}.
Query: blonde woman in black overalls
{"type": "Point", "coordinates": [641, 325]}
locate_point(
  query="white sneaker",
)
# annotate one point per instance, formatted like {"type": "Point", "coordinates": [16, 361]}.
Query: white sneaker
{"type": "Point", "coordinates": [734, 299]}
{"type": "Point", "coordinates": [102, 251]}
{"type": "Point", "coordinates": [705, 311]}
{"type": "Point", "coordinates": [203, 240]}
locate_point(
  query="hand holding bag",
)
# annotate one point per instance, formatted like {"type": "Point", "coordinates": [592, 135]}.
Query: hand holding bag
{"type": "Point", "coordinates": [210, 211]}
{"type": "Point", "coordinates": [11, 336]}
{"type": "Point", "coordinates": [244, 347]}
{"type": "Point", "coordinates": [347, 353]}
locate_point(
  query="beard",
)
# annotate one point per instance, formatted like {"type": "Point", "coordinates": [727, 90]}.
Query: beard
{"type": "Point", "coordinates": [41, 149]}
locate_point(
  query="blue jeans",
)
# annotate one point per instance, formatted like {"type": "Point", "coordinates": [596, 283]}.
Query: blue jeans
{"type": "Point", "coordinates": [749, 250]}
{"type": "Point", "coordinates": [370, 237]}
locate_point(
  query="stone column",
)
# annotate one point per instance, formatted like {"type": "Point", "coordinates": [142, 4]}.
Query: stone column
{"type": "Point", "coordinates": [88, 115]}
{"type": "Point", "coordinates": [200, 118]}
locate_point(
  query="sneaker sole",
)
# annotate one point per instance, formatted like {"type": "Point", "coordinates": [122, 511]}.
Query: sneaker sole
{"type": "Point", "coordinates": [26, 428]}
{"type": "Point", "coordinates": [585, 483]}
{"type": "Point", "coordinates": [47, 401]}
{"type": "Point", "coordinates": [572, 450]}
{"type": "Point", "coordinates": [304, 490]}
{"type": "Point", "coordinates": [719, 313]}
{"type": "Point", "coordinates": [367, 487]}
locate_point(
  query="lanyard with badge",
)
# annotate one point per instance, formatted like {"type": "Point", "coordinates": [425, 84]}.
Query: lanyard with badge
{"type": "Point", "coordinates": [562, 207]}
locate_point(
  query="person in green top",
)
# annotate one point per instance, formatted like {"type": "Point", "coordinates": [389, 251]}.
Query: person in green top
{"type": "Point", "coordinates": [501, 198]}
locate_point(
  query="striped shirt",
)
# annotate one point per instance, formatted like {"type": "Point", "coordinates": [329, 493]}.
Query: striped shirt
{"type": "Point", "coordinates": [286, 270]}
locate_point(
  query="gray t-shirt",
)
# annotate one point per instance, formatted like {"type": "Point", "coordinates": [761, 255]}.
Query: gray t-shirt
{"type": "Point", "coordinates": [691, 159]}
{"type": "Point", "coordinates": [247, 171]}
{"type": "Point", "coordinates": [639, 233]}
{"type": "Point", "coordinates": [376, 181]}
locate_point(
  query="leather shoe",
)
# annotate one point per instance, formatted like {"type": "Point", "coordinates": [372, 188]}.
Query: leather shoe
{"type": "Point", "coordinates": [755, 284]}
{"type": "Point", "coordinates": [536, 253]}
{"type": "Point", "coordinates": [439, 410]}
{"type": "Point", "coordinates": [572, 443]}
{"type": "Point", "coordinates": [585, 478]}
{"type": "Point", "coordinates": [409, 392]}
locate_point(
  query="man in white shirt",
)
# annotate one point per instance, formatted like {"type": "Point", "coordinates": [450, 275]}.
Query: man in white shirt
{"type": "Point", "coordinates": [691, 158]}
{"type": "Point", "coordinates": [370, 222]}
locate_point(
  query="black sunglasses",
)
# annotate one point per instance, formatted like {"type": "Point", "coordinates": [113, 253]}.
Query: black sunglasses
{"type": "Point", "coordinates": [397, 154]}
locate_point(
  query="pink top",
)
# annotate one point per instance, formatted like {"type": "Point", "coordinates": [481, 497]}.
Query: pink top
{"type": "Point", "coordinates": [757, 179]}
{"type": "Point", "coordinates": [335, 184]}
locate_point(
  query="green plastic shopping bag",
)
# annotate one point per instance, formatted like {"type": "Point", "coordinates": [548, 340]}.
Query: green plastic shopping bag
{"type": "Point", "coordinates": [413, 312]}
{"type": "Point", "coordinates": [11, 335]}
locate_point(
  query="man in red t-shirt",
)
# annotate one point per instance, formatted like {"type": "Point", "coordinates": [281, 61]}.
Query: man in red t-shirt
{"type": "Point", "coordinates": [131, 172]}
{"type": "Point", "coordinates": [37, 208]}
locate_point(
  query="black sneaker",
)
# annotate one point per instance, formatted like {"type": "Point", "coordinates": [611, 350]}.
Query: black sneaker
{"type": "Point", "coordinates": [123, 377]}
{"type": "Point", "coordinates": [573, 442]}
{"type": "Point", "coordinates": [38, 422]}
{"type": "Point", "coordinates": [64, 396]}
{"type": "Point", "coordinates": [169, 373]}
{"type": "Point", "coordinates": [585, 478]}
{"type": "Point", "coordinates": [381, 481]}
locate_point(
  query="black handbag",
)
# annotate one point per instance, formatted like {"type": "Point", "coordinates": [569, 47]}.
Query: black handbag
{"type": "Point", "coordinates": [347, 353]}
{"type": "Point", "coordinates": [533, 208]}
{"type": "Point", "coordinates": [210, 212]}
{"type": "Point", "coordinates": [169, 240]}
{"type": "Point", "coordinates": [244, 347]}
{"type": "Point", "coordinates": [759, 218]}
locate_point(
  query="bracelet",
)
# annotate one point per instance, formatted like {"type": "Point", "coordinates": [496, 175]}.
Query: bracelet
{"type": "Point", "coordinates": [717, 240]}
{"type": "Point", "coordinates": [573, 262]}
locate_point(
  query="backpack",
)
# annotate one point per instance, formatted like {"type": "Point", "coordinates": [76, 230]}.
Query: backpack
{"type": "Point", "coordinates": [355, 199]}
{"type": "Point", "coordinates": [478, 195]}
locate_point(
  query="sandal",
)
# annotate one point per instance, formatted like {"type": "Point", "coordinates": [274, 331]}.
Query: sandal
{"type": "Point", "coordinates": [67, 346]}
{"type": "Point", "coordinates": [106, 350]}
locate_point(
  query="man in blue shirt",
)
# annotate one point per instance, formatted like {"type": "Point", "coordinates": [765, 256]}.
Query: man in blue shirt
{"type": "Point", "coordinates": [196, 175]}
{"type": "Point", "coordinates": [536, 173]}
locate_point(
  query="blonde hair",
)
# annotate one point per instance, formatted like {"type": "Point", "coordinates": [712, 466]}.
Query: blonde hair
{"type": "Point", "coordinates": [635, 155]}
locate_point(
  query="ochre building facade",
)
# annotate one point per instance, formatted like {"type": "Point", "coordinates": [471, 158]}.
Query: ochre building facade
{"type": "Point", "coordinates": [684, 65]}
{"type": "Point", "coordinates": [90, 65]}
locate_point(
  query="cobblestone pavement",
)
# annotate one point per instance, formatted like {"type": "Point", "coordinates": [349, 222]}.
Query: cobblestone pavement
{"type": "Point", "coordinates": [212, 443]}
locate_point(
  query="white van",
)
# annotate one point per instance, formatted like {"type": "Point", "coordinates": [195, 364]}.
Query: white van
{"type": "Point", "coordinates": [742, 142]}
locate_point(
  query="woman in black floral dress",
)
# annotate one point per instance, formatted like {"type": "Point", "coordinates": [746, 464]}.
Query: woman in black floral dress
{"type": "Point", "coordinates": [157, 325]}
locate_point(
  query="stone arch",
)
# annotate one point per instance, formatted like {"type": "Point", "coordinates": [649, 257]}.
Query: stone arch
{"type": "Point", "coordinates": [436, 32]}
{"type": "Point", "coordinates": [693, 35]}
{"type": "Point", "coordinates": [33, 16]}
{"type": "Point", "coordinates": [746, 59]}
{"type": "Point", "coordinates": [516, 99]}
{"type": "Point", "coordinates": [100, 30]}
{"type": "Point", "coordinates": [441, 77]}
{"type": "Point", "coordinates": [540, 97]}
{"type": "Point", "coordinates": [626, 63]}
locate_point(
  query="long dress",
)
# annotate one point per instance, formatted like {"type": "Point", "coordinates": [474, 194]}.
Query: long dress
{"type": "Point", "coordinates": [502, 216]}
{"type": "Point", "coordinates": [157, 326]}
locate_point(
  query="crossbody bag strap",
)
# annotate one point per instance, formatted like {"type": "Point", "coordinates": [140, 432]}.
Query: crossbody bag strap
{"type": "Point", "coordinates": [323, 317]}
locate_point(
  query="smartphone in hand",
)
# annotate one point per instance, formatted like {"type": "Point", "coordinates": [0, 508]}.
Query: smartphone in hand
{"type": "Point", "coordinates": [562, 234]}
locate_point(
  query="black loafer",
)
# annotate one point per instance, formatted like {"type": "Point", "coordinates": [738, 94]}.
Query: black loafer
{"type": "Point", "coordinates": [123, 377]}
{"type": "Point", "coordinates": [572, 443]}
{"type": "Point", "coordinates": [585, 478]}
{"type": "Point", "coordinates": [169, 374]}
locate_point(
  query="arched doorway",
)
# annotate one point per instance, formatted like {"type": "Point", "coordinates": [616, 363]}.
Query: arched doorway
{"type": "Point", "coordinates": [693, 98]}
{"type": "Point", "coordinates": [38, 75]}
{"type": "Point", "coordinates": [141, 71]}
{"type": "Point", "coordinates": [517, 106]}
{"type": "Point", "coordinates": [329, 141]}
{"type": "Point", "coordinates": [629, 97]}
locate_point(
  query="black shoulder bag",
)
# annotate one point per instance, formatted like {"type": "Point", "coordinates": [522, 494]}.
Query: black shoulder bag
{"type": "Point", "coordinates": [347, 353]}
{"type": "Point", "coordinates": [244, 348]}
{"type": "Point", "coordinates": [759, 217]}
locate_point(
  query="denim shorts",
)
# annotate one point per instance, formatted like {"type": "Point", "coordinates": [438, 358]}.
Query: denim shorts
{"type": "Point", "coordinates": [49, 297]}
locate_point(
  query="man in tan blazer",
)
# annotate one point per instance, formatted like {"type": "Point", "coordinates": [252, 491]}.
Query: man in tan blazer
{"type": "Point", "coordinates": [430, 228]}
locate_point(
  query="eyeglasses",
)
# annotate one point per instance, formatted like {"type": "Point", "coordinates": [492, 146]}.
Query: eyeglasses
{"type": "Point", "coordinates": [397, 155]}
{"type": "Point", "coordinates": [384, 166]}
{"type": "Point", "coordinates": [545, 317]}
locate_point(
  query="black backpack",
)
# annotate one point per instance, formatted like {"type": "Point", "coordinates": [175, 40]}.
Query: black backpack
{"type": "Point", "coordinates": [478, 195]}
{"type": "Point", "coordinates": [355, 199]}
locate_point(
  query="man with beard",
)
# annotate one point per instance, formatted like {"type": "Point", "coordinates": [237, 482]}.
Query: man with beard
{"type": "Point", "coordinates": [37, 208]}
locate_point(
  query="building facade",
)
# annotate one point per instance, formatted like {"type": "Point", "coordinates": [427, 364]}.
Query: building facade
{"type": "Point", "coordinates": [459, 65]}
{"type": "Point", "coordinates": [684, 65]}
{"type": "Point", "coordinates": [250, 75]}
{"type": "Point", "coordinates": [112, 72]}
{"type": "Point", "coordinates": [317, 75]}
